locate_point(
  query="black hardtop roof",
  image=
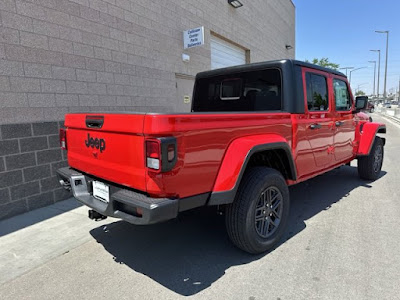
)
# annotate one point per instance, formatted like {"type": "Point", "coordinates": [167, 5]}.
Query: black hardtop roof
{"type": "Point", "coordinates": [263, 65]}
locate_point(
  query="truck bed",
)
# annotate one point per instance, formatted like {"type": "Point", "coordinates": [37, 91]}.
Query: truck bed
{"type": "Point", "coordinates": [202, 139]}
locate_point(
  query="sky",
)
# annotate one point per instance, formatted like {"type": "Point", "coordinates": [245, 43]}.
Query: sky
{"type": "Point", "coordinates": [344, 32]}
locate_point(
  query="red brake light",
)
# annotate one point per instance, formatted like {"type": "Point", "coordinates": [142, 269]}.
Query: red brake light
{"type": "Point", "coordinates": [152, 149]}
{"type": "Point", "coordinates": [63, 139]}
{"type": "Point", "coordinates": [153, 154]}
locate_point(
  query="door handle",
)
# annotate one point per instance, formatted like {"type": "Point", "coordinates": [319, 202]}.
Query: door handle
{"type": "Point", "coordinates": [315, 126]}
{"type": "Point", "coordinates": [339, 123]}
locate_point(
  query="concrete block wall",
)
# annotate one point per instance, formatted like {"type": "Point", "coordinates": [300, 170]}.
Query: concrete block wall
{"type": "Point", "coordinates": [30, 154]}
{"type": "Point", "coordinates": [61, 56]}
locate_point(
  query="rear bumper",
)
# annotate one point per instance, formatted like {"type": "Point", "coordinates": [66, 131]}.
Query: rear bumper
{"type": "Point", "coordinates": [124, 203]}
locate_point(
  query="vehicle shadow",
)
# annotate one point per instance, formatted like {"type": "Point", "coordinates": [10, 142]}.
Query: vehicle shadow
{"type": "Point", "coordinates": [188, 254]}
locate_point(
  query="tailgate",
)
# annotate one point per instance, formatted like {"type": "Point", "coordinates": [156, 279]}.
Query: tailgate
{"type": "Point", "coordinates": [108, 146]}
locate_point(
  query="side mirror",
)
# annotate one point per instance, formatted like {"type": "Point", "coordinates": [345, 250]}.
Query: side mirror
{"type": "Point", "coordinates": [361, 103]}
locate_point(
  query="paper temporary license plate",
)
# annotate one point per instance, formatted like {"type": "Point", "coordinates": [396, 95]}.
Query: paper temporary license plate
{"type": "Point", "coordinates": [101, 191]}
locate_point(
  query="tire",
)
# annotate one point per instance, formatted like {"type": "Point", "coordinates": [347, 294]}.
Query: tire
{"type": "Point", "coordinates": [371, 110]}
{"type": "Point", "coordinates": [247, 233]}
{"type": "Point", "coordinates": [369, 167]}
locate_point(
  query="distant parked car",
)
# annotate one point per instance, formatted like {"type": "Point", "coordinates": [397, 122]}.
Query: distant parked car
{"type": "Point", "coordinates": [370, 107]}
{"type": "Point", "coordinates": [387, 105]}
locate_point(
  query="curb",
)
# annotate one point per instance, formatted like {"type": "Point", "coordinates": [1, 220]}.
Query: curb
{"type": "Point", "coordinates": [394, 119]}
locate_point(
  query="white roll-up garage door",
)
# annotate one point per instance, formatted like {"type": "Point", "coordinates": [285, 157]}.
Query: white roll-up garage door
{"type": "Point", "coordinates": [225, 54]}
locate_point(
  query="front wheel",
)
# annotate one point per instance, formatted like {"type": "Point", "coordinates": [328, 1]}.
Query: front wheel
{"type": "Point", "coordinates": [369, 167]}
{"type": "Point", "coordinates": [257, 218]}
{"type": "Point", "coordinates": [371, 110]}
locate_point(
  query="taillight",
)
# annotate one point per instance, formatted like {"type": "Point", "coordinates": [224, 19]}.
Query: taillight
{"type": "Point", "coordinates": [63, 139]}
{"type": "Point", "coordinates": [153, 154]}
{"type": "Point", "coordinates": [161, 154]}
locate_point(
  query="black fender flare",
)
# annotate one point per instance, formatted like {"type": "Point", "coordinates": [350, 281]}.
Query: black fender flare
{"type": "Point", "coordinates": [227, 197]}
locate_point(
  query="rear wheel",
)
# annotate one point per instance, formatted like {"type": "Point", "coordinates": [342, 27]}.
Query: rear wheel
{"type": "Point", "coordinates": [369, 167]}
{"type": "Point", "coordinates": [257, 219]}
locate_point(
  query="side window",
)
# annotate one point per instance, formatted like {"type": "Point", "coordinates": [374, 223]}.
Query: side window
{"type": "Point", "coordinates": [317, 92]}
{"type": "Point", "coordinates": [342, 96]}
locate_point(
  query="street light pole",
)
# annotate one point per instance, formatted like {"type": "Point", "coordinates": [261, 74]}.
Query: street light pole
{"type": "Point", "coordinates": [358, 87]}
{"type": "Point", "coordinates": [387, 47]}
{"type": "Point", "coordinates": [373, 61]}
{"type": "Point", "coordinates": [346, 68]}
{"type": "Point", "coordinates": [353, 71]}
{"type": "Point", "coordinates": [398, 99]}
{"type": "Point", "coordinates": [379, 68]}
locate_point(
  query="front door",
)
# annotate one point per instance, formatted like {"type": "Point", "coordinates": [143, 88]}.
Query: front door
{"type": "Point", "coordinates": [344, 121]}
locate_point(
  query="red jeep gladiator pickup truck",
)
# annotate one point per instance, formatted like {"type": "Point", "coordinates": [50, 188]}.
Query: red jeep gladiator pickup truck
{"type": "Point", "coordinates": [253, 131]}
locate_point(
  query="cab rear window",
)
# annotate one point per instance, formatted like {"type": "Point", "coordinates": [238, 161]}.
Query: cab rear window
{"type": "Point", "coordinates": [245, 91]}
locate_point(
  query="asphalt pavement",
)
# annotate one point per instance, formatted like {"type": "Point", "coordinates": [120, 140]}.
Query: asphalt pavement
{"type": "Point", "coordinates": [343, 242]}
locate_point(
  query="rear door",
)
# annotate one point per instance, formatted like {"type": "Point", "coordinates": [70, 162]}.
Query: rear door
{"type": "Point", "coordinates": [320, 117]}
{"type": "Point", "coordinates": [344, 121]}
{"type": "Point", "coordinates": [108, 146]}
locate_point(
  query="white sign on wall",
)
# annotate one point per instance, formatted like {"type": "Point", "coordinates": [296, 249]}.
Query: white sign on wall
{"type": "Point", "coordinates": [193, 37]}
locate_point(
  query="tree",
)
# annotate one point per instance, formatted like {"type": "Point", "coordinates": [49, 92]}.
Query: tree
{"type": "Point", "coordinates": [360, 93]}
{"type": "Point", "coordinates": [324, 62]}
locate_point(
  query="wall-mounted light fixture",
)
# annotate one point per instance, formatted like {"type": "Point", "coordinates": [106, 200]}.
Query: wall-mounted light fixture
{"type": "Point", "coordinates": [185, 57]}
{"type": "Point", "coordinates": [288, 47]}
{"type": "Point", "coordinates": [235, 3]}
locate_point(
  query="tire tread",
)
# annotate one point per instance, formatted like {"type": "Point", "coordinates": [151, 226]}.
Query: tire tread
{"type": "Point", "coordinates": [237, 211]}
{"type": "Point", "coordinates": [365, 164]}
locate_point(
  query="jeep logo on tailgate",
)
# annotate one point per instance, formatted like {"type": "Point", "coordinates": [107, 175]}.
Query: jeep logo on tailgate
{"type": "Point", "coordinates": [95, 143]}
